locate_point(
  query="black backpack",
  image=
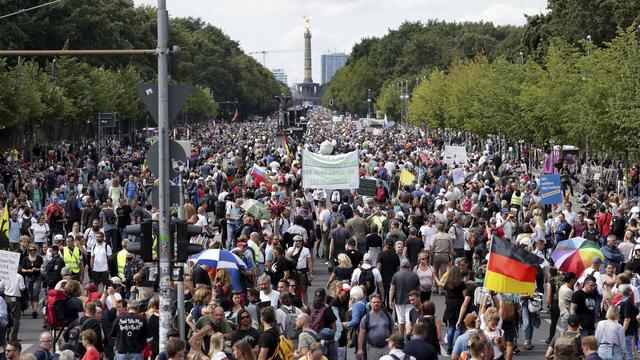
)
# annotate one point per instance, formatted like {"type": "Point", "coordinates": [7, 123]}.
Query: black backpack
{"type": "Point", "coordinates": [367, 280]}
{"type": "Point", "coordinates": [74, 334]}
{"type": "Point", "coordinates": [346, 210]}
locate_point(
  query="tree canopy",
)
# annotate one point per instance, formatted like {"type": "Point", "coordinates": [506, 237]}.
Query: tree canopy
{"type": "Point", "coordinates": [209, 60]}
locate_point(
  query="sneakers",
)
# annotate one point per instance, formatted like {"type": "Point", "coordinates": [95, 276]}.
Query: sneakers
{"type": "Point", "coordinates": [34, 314]}
{"type": "Point", "coordinates": [528, 346]}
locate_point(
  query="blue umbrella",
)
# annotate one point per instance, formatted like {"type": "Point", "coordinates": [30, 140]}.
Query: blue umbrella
{"type": "Point", "coordinates": [218, 259]}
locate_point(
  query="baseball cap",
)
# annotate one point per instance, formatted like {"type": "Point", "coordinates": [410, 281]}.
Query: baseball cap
{"type": "Point", "coordinates": [116, 281]}
{"type": "Point", "coordinates": [320, 293]}
{"type": "Point", "coordinates": [525, 241]}
{"type": "Point", "coordinates": [58, 237]}
{"type": "Point", "coordinates": [573, 320]}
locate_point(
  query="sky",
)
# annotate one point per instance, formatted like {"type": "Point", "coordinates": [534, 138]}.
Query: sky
{"type": "Point", "coordinates": [336, 25]}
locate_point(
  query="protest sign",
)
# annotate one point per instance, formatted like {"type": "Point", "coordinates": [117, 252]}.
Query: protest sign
{"type": "Point", "coordinates": [9, 262]}
{"type": "Point", "coordinates": [550, 189]}
{"type": "Point", "coordinates": [454, 155]}
{"type": "Point", "coordinates": [406, 177]}
{"type": "Point", "coordinates": [458, 176]}
{"type": "Point", "coordinates": [331, 172]}
{"type": "Point", "coordinates": [367, 187]}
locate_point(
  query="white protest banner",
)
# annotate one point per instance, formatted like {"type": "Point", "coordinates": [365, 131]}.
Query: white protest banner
{"type": "Point", "coordinates": [331, 172]}
{"type": "Point", "coordinates": [9, 262]}
{"type": "Point", "coordinates": [454, 155]}
{"type": "Point", "coordinates": [458, 176]}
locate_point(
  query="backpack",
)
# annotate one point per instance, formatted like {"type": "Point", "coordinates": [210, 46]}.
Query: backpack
{"type": "Point", "coordinates": [327, 338]}
{"type": "Point", "coordinates": [289, 329]}
{"type": "Point", "coordinates": [110, 216]}
{"type": "Point", "coordinates": [381, 194]}
{"type": "Point", "coordinates": [74, 335]}
{"type": "Point", "coordinates": [567, 346]}
{"type": "Point", "coordinates": [24, 227]}
{"type": "Point", "coordinates": [427, 203]}
{"type": "Point", "coordinates": [346, 210]}
{"type": "Point", "coordinates": [56, 301]}
{"type": "Point", "coordinates": [367, 280]}
{"type": "Point", "coordinates": [317, 317]}
{"type": "Point", "coordinates": [284, 351]}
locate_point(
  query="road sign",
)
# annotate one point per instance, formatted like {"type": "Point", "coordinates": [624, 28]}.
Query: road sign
{"type": "Point", "coordinates": [174, 196]}
{"type": "Point", "coordinates": [107, 119]}
{"type": "Point", "coordinates": [178, 95]}
{"type": "Point", "coordinates": [177, 159]}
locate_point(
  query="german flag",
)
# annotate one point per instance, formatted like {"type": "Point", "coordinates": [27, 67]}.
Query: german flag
{"type": "Point", "coordinates": [511, 269]}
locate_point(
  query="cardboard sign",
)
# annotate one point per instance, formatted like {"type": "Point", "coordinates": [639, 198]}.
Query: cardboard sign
{"type": "Point", "coordinates": [9, 262]}
{"type": "Point", "coordinates": [367, 187]}
{"type": "Point", "coordinates": [458, 176]}
{"type": "Point", "coordinates": [454, 155]}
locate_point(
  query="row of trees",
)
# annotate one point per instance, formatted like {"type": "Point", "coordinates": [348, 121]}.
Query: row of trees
{"type": "Point", "coordinates": [414, 48]}
{"type": "Point", "coordinates": [210, 61]}
{"type": "Point", "coordinates": [586, 98]}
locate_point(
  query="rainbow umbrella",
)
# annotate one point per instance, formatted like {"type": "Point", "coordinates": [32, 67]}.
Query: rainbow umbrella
{"type": "Point", "coordinates": [575, 254]}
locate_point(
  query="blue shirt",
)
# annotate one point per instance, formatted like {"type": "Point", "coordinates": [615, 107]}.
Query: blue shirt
{"type": "Point", "coordinates": [462, 344]}
{"type": "Point", "coordinates": [378, 330]}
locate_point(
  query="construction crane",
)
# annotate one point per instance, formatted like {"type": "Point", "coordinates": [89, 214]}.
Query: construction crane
{"type": "Point", "coordinates": [265, 52]}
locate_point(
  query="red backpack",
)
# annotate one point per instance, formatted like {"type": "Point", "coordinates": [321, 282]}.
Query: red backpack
{"type": "Point", "coordinates": [317, 317]}
{"type": "Point", "coordinates": [56, 300]}
{"type": "Point", "coordinates": [381, 194]}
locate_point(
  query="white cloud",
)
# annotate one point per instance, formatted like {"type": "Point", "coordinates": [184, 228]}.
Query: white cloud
{"type": "Point", "coordinates": [503, 14]}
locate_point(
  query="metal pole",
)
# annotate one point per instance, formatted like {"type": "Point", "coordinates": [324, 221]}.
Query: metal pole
{"type": "Point", "coordinates": [180, 283]}
{"type": "Point", "coordinates": [4, 53]}
{"type": "Point", "coordinates": [163, 174]}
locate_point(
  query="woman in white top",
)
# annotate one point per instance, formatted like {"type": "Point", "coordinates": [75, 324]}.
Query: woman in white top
{"type": "Point", "coordinates": [39, 232]}
{"type": "Point", "coordinates": [116, 191]}
{"type": "Point", "coordinates": [610, 336]}
{"type": "Point", "coordinates": [425, 274]}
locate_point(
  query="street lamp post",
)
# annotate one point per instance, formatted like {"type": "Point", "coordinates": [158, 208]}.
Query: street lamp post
{"type": "Point", "coordinates": [54, 80]}
{"type": "Point", "coordinates": [368, 103]}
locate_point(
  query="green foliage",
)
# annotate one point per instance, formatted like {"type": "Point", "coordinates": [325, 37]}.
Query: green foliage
{"type": "Point", "coordinates": [209, 59]}
{"type": "Point", "coordinates": [572, 98]}
{"type": "Point", "coordinates": [414, 50]}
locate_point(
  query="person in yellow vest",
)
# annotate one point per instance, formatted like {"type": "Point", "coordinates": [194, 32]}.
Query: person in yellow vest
{"type": "Point", "coordinates": [73, 259]}
{"type": "Point", "coordinates": [516, 203]}
{"type": "Point", "coordinates": [121, 259]}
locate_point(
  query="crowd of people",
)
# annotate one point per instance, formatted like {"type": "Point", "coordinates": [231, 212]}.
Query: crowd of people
{"type": "Point", "coordinates": [387, 253]}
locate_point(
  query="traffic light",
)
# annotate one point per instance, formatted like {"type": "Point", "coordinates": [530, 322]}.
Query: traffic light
{"type": "Point", "coordinates": [184, 247]}
{"type": "Point", "coordinates": [144, 247]}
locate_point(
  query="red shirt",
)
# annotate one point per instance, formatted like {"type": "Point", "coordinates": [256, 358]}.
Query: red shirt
{"type": "Point", "coordinates": [91, 354]}
{"type": "Point", "coordinates": [603, 223]}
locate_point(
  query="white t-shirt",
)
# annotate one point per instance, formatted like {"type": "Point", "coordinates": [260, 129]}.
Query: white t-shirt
{"type": "Point", "coordinates": [14, 286]}
{"type": "Point", "coordinates": [274, 297]}
{"type": "Point", "coordinates": [110, 302]}
{"type": "Point", "coordinates": [100, 254]}
{"type": "Point", "coordinates": [302, 259]}
{"type": "Point", "coordinates": [39, 232]}
{"type": "Point", "coordinates": [202, 220]}
{"type": "Point", "coordinates": [427, 233]}
{"type": "Point", "coordinates": [569, 216]}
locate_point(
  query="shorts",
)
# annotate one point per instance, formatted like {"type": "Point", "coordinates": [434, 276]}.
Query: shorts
{"type": "Point", "coordinates": [509, 332]}
{"type": "Point", "coordinates": [301, 280]}
{"type": "Point", "coordinates": [101, 277]}
{"type": "Point", "coordinates": [402, 313]}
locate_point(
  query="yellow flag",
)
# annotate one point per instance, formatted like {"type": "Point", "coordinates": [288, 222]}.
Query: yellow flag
{"type": "Point", "coordinates": [4, 226]}
{"type": "Point", "coordinates": [406, 177]}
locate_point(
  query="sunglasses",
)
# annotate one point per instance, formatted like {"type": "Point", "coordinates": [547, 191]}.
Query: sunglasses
{"type": "Point", "coordinates": [245, 317]}
{"type": "Point", "coordinates": [298, 241]}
